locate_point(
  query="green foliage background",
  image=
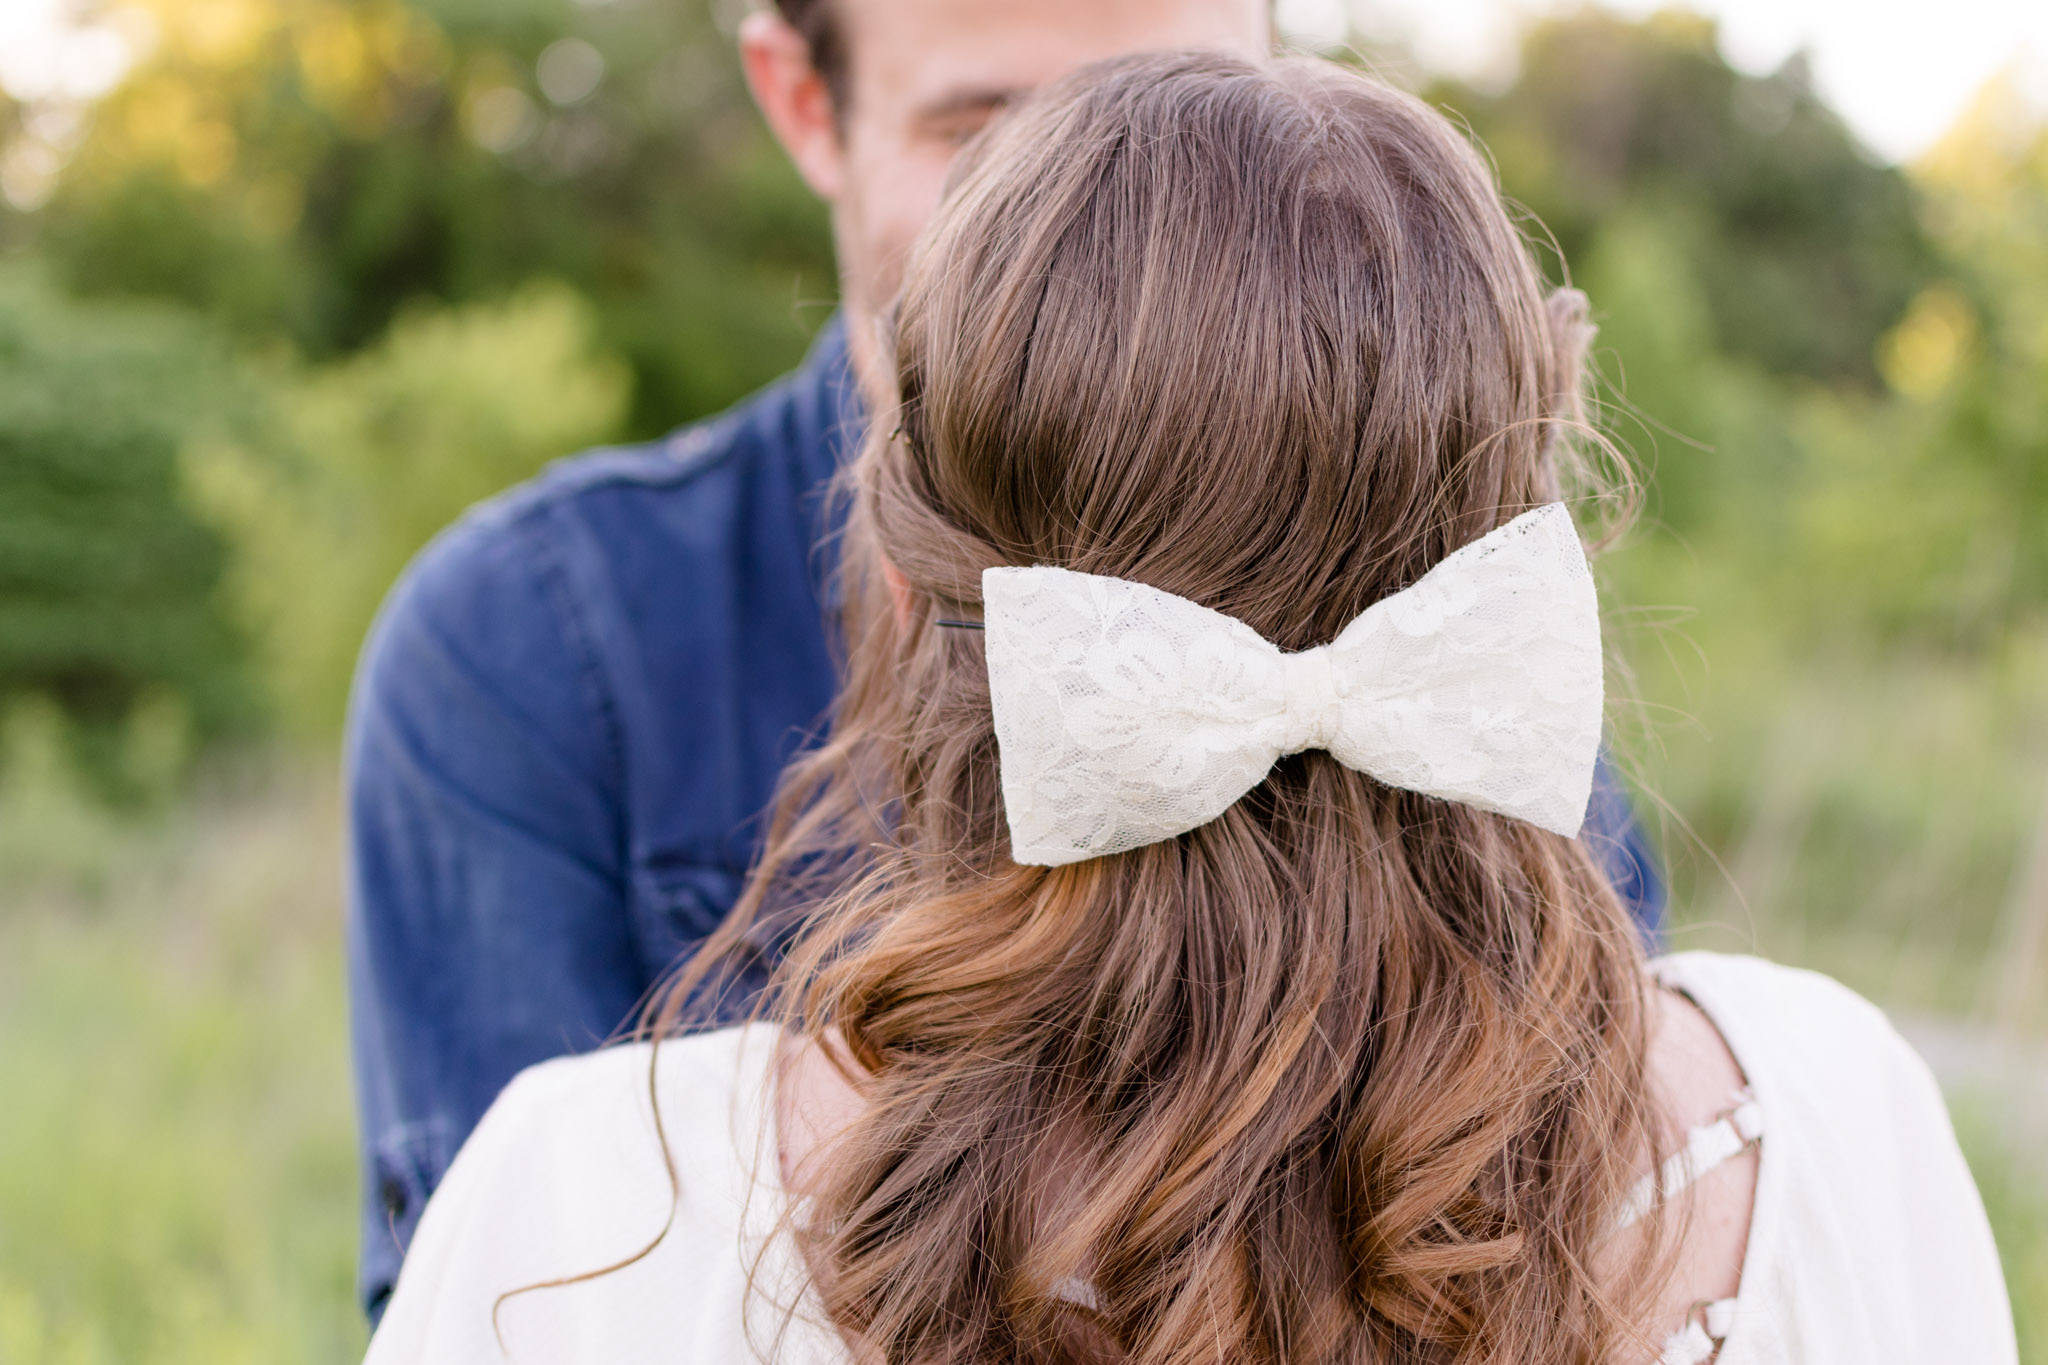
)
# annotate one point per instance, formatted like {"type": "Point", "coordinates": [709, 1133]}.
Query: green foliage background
{"type": "Point", "coordinates": [107, 578]}
{"type": "Point", "coordinates": [368, 455]}
{"type": "Point", "coordinates": [319, 274]}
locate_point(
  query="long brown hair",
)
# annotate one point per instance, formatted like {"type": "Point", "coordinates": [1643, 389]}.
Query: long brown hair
{"type": "Point", "coordinates": [1350, 1073]}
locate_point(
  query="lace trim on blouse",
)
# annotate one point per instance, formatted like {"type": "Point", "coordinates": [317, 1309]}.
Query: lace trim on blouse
{"type": "Point", "coordinates": [1733, 1132]}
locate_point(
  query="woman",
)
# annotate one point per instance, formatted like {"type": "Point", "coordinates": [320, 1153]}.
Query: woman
{"type": "Point", "coordinates": [1196, 961]}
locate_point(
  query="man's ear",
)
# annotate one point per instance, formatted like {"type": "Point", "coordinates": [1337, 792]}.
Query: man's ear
{"type": "Point", "coordinates": [794, 98]}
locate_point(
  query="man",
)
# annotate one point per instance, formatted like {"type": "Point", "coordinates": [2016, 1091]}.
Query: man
{"type": "Point", "coordinates": [571, 715]}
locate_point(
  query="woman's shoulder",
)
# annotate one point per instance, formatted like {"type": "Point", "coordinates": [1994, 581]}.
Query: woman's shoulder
{"type": "Point", "coordinates": [1789, 1020]}
{"type": "Point", "coordinates": [583, 1090]}
{"type": "Point", "coordinates": [1830, 1071]}
{"type": "Point", "coordinates": [569, 1174]}
{"type": "Point", "coordinates": [585, 1126]}
{"type": "Point", "coordinates": [1761, 979]}
{"type": "Point", "coordinates": [587, 1122]}
{"type": "Point", "coordinates": [1867, 1233]}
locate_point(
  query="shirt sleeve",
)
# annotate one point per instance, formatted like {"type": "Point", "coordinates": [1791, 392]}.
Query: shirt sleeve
{"type": "Point", "coordinates": [1868, 1240]}
{"type": "Point", "coordinates": [1954, 1259]}
{"type": "Point", "coordinates": [488, 925]}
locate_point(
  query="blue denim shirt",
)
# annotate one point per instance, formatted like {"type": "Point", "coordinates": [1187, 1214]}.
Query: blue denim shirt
{"type": "Point", "coordinates": [567, 725]}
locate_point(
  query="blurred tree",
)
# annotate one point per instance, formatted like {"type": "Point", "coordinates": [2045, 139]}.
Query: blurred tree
{"type": "Point", "coordinates": [368, 457]}
{"type": "Point", "coordinates": [1804, 247]}
{"type": "Point", "coordinates": [1922, 515]}
{"type": "Point", "coordinates": [1910, 519]}
{"type": "Point", "coordinates": [305, 167]}
{"type": "Point", "coordinates": [107, 579]}
{"type": "Point", "coordinates": [1804, 363]}
{"type": "Point", "coordinates": [1975, 353]}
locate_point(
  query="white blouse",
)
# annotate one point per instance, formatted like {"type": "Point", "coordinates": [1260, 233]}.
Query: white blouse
{"type": "Point", "coordinates": [1867, 1241]}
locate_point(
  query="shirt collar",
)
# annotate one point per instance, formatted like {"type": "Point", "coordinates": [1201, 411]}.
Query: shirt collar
{"type": "Point", "coordinates": [840, 415]}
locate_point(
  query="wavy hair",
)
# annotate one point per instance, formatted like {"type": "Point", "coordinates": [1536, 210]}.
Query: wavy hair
{"type": "Point", "coordinates": [1349, 1074]}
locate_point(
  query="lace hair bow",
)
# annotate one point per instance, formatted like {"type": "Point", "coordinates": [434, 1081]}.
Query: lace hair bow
{"type": "Point", "coordinates": [1125, 715]}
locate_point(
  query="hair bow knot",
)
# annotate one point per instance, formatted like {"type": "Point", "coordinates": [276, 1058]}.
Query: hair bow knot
{"type": "Point", "coordinates": [1313, 704]}
{"type": "Point", "coordinates": [1125, 715]}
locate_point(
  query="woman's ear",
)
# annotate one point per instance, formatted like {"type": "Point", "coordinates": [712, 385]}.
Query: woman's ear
{"type": "Point", "coordinates": [1569, 321]}
{"type": "Point", "coordinates": [795, 100]}
{"type": "Point", "coordinates": [899, 591]}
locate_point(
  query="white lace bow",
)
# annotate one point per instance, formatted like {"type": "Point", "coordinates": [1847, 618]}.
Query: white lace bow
{"type": "Point", "coordinates": [1125, 715]}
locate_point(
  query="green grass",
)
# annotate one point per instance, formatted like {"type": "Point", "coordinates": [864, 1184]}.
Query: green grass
{"type": "Point", "coordinates": [177, 1178]}
{"type": "Point", "coordinates": [1865, 811]}
{"type": "Point", "coordinates": [2012, 1175]}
